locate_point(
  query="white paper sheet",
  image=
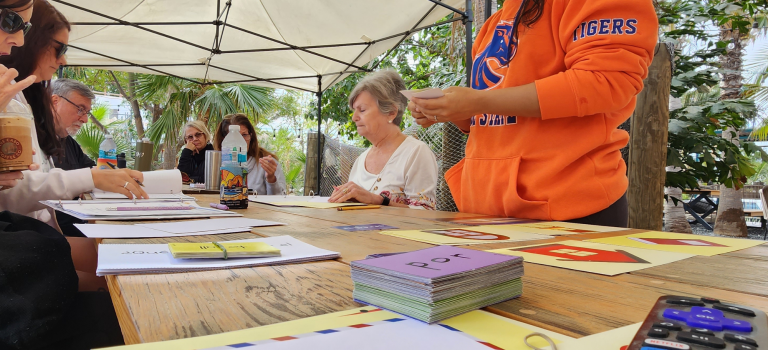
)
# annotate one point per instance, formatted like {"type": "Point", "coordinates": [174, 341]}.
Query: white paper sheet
{"type": "Point", "coordinates": [382, 335]}
{"type": "Point", "coordinates": [137, 231]}
{"type": "Point", "coordinates": [423, 93]}
{"type": "Point", "coordinates": [208, 225]}
{"type": "Point", "coordinates": [97, 210]}
{"type": "Point", "coordinates": [159, 184]}
{"type": "Point", "coordinates": [277, 199]}
{"type": "Point", "coordinates": [116, 259]}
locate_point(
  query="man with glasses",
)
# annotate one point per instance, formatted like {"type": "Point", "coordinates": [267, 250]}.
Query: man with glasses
{"type": "Point", "coordinates": [71, 101]}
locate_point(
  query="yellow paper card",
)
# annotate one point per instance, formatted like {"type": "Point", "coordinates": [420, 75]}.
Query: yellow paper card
{"type": "Point", "coordinates": [502, 332]}
{"type": "Point", "coordinates": [182, 250]}
{"type": "Point", "coordinates": [499, 331]}
{"type": "Point", "coordinates": [614, 339]}
{"type": "Point", "coordinates": [604, 259]}
{"type": "Point", "coordinates": [300, 326]}
{"type": "Point", "coordinates": [466, 235]}
{"type": "Point", "coordinates": [556, 228]}
{"type": "Point", "coordinates": [316, 205]}
{"type": "Point", "coordinates": [681, 242]}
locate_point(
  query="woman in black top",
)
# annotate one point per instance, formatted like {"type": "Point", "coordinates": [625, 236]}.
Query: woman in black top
{"type": "Point", "coordinates": [192, 160]}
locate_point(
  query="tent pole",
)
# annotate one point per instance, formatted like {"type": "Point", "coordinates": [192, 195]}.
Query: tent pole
{"type": "Point", "coordinates": [319, 131]}
{"type": "Point", "coordinates": [468, 31]}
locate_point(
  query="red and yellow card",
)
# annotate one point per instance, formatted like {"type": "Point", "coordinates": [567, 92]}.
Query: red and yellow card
{"type": "Point", "coordinates": [680, 242]}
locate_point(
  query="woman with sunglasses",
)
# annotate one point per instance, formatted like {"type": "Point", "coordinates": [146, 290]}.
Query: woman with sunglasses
{"type": "Point", "coordinates": [14, 23]}
{"type": "Point", "coordinates": [192, 159]}
{"type": "Point", "coordinates": [265, 175]}
{"type": "Point", "coordinates": [39, 298]}
{"type": "Point", "coordinates": [40, 56]}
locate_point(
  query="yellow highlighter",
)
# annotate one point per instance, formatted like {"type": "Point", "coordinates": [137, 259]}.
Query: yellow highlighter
{"type": "Point", "coordinates": [222, 250]}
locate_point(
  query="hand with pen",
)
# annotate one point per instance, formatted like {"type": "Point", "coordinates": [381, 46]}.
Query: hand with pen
{"type": "Point", "coordinates": [124, 181]}
{"type": "Point", "coordinates": [353, 191]}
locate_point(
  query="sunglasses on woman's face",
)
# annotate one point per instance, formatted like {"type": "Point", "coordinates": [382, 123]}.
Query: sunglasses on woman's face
{"type": "Point", "coordinates": [61, 50]}
{"type": "Point", "coordinates": [11, 22]}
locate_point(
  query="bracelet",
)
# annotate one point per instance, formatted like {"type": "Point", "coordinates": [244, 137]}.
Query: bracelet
{"type": "Point", "coordinates": [385, 202]}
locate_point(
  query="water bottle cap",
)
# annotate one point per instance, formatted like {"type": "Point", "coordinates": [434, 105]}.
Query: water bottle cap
{"type": "Point", "coordinates": [235, 128]}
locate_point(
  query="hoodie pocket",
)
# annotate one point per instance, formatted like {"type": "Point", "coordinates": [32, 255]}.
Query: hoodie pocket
{"type": "Point", "coordinates": [489, 186]}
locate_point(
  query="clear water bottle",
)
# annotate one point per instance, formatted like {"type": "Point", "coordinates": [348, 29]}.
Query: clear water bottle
{"type": "Point", "coordinates": [107, 154]}
{"type": "Point", "coordinates": [234, 149]}
{"type": "Point", "coordinates": [234, 174]}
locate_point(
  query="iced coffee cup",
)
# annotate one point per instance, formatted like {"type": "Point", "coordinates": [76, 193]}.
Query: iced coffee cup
{"type": "Point", "coordinates": [15, 137]}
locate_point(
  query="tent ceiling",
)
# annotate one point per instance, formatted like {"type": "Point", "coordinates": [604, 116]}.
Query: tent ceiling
{"type": "Point", "coordinates": [274, 43]}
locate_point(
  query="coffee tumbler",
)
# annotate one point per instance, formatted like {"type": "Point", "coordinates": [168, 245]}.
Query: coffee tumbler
{"type": "Point", "coordinates": [212, 173]}
{"type": "Point", "coordinates": [144, 154]}
{"type": "Point", "coordinates": [15, 137]}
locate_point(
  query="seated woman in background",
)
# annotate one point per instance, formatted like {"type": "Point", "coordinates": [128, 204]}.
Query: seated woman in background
{"type": "Point", "coordinates": [265, 175]}
{"type": "Point", "coordinates": [398, 170]}
{"type": "Point", "coordinates": [192, 159]}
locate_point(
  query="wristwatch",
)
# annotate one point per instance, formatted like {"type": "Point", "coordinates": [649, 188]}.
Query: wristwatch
{"type": "Point", "coordinates": [386, 200]}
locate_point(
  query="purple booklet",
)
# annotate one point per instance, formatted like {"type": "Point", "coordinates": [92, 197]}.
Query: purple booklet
{"type": "Point", "coordinates": [436, 261]}
{"type": "Point", "coordinates": [369, 227]}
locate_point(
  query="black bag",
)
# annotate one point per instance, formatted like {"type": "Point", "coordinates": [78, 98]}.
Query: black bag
{"type": "Point", "coordinates": [38, 282]}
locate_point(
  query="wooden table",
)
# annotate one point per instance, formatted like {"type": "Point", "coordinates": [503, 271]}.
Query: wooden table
{"type": "Point", "coordinates": [172, 306]}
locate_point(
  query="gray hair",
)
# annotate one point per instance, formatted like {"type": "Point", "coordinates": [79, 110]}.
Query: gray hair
{"type": "Point", "coordinates": [384, 86]}
{"type": "Point", "coordinates": [64, 87]}
{"type": "Point", "coordinates": [199, 125]}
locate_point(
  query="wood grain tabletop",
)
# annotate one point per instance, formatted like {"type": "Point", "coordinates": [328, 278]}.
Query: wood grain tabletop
{"type": "Point", "coordinates": [180, 305]}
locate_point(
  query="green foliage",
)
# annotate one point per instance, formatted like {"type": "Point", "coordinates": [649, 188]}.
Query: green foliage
{"type": "Point", "coordinates": [429, 58]}
{"type": "Point", "coordinates": [696, 147]}
{"type": "Point", "coordinates": [694, 143]}
{"type": "Point", "coordinates": [90, 136]}
{"type": "Point", "coordinates": [182, 100]}
{"type": "Point", "coordinates": [220, 100]}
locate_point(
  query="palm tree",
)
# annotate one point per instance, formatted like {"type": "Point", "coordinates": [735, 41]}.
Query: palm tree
{"type": "Point", "coordinates": [176, 101]}
{"type": "Point", "coordinates": [674, 214]}
{"type": "Point", "coordinates": [92, 134]}
{"type": "Point", "coordinates": [730, 211]}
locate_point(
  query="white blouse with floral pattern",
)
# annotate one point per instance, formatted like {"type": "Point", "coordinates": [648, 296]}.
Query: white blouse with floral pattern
{"type": "Point", "coordinates": [409, 177]}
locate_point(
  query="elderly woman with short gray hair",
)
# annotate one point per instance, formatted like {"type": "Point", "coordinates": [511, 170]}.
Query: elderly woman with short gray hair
{"type": "Point", "coordinates": [397, 170]}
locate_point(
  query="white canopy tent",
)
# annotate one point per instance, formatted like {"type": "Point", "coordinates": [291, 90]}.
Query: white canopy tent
{"type": "Point", "coordinates": [306, 45]}
{"type": "Point", "coordinates": [289, 44]}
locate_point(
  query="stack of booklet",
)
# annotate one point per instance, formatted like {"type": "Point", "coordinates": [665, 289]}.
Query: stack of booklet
{"type": "Point", "coordinates": [437, 283]}
{"type": "Point", "coordinates": [123, 259]}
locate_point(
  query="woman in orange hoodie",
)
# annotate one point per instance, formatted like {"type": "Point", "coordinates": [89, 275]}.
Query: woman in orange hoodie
{"type": "Point", "coordinates": [551, 82]}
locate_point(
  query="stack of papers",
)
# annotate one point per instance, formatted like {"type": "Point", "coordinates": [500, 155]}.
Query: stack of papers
{"type": "Point", "coordinates": [316, 202]}
{"type": "Point", "coordinates": [437, 283]}
{"type": "Point", "coordinates": [159, 184]}
{"type": "Point", "coordinates": [135, 210]}
{"type": "Point", "coordinates": [173, 229]}
{"type": "Point", "coordinates": [121, 259]}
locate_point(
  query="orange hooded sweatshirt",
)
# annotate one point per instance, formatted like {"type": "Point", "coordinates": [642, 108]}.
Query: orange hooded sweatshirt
{"type": "Point", "coordinates": [588, 59]}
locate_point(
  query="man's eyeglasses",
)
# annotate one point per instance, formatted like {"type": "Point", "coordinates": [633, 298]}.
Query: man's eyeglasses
{"type": "Point", "coordinates": [61, 50]}
{"type": "Point", "coordinates": [81, 111]}
{"type": "Point", "coordinates": [197, 135]}
{"type": "Point", "coordinates": [11, 22]}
